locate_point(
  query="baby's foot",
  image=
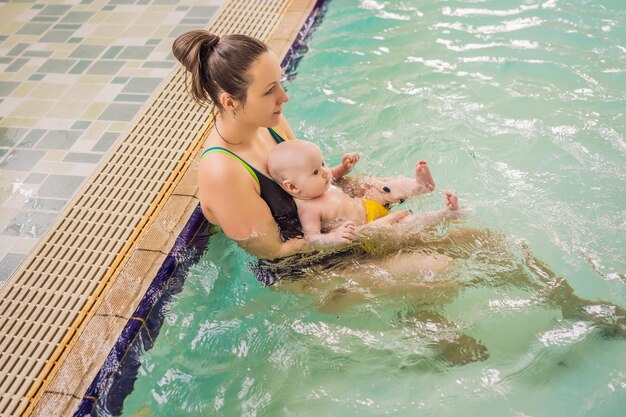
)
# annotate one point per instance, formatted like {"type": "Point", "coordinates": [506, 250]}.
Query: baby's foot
{"type": "Point", "coordinates": [424, 177]}
{"type": "Point", "coordinates": [452, 201]}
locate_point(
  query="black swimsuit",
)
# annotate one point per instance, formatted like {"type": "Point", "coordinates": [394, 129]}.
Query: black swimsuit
{"type": "Point", "coordinates": [281, 204]}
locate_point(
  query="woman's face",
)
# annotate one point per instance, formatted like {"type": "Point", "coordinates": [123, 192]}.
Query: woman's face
{"type": "Point", "coordinates": [265, 95]}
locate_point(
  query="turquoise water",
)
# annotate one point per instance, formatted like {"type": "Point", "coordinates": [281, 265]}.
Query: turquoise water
{"type": "Point", "coordinates": [519, 108]}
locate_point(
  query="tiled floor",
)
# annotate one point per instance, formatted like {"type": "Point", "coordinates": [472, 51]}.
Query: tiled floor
{"type": "Point", "coordinates": [73, 76]}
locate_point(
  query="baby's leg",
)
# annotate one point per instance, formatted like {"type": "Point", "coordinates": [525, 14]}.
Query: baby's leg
{"type": "Point", "coordinates": [391, 190]}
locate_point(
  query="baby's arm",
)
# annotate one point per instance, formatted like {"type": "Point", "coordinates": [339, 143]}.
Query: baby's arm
{"type": "Point", "coordinates": [311, 221]}
{"type": "Point", "coordinates": [348, 162]}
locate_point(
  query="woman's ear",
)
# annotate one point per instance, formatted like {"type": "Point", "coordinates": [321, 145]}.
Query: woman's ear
{"type": "Point", "coordinates": [228, 102]}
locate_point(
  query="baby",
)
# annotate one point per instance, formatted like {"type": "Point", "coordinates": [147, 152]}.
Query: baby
{"type": "Point", "coordinates": [330, 216]}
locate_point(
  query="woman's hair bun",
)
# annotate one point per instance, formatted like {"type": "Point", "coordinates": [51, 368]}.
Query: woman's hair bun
{"type": "Point", "coordinates": [190, 48]}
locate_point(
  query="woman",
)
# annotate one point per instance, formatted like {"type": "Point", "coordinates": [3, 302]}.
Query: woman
{"type": "Point", "coordinates": [241, 77]}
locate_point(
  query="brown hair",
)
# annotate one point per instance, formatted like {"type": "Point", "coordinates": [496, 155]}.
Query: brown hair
{"type": "Point", "coordinates": [217, 64]}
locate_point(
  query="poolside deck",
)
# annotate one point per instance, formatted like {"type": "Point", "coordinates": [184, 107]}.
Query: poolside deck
{"type": "Point", "coordinates": [64, 307]}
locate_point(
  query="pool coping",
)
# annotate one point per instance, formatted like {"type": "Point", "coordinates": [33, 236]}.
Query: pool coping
{"type": "Point", "coordinates": [60, 315]}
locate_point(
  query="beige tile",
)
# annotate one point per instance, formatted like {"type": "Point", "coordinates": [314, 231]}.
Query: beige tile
{"type": "Point", "coordinates": [119, 126]}
{"type": "Point", "coordinates": [47, 90]}
{"type": "Point", "coordinates": [118, 18]}
{"type": "Point", "coordinates": [23, 89]}
{"type": "Point", "coordinates": [94, 110]}
{"type": "Point", "coordinates": [6, 215]}
{"type": "Point", "coordinates": [68, 109]}
{"type": "Point", "coordinates": [162, 31]}
{"type": "Point", "coordinates": [54, 155]}
{"type": "Point", "coordinates": [109, 31]}
{"type": "Point", "coordinates": [21, 244]}
{"type": "Point", "coordinates": [83, 91]}
{"type": "Point", "coordinates": [18, 122]}
{"type": "Point", "coordinates": [95, 79]}
{"type": "Point", "coordinates": [33, 108]}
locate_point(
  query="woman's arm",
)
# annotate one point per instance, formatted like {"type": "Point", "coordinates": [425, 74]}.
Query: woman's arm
{"type": "Point", "coordinates": [231, 195]}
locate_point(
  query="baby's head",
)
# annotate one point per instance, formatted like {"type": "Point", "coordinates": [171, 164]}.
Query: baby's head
{"type": "Point", "coordinates": [298, 166]}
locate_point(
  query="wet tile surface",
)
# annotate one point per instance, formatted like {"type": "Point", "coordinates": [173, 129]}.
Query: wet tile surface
{"type": "Point", "coordinates": [73, 77]}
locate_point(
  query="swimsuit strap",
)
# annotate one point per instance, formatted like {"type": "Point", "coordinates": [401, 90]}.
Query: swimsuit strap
{"type": "Point", "coordinates": [249, 167]}
{"type": "Point", "coordinates": [226, 151]}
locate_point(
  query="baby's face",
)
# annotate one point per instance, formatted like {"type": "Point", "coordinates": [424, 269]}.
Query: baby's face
{"type": "Point", "coordinates": [313, 176]}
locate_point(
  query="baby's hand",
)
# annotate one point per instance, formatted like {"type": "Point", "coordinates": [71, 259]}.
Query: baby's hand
{"type": "Point", "coordinates": [346, 233]}
{"type": "Point", "coordinates": [349, 160]}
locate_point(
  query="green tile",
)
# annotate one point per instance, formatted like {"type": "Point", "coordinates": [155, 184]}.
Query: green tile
{"type": "Point", "coordinates": [153, 41]}
{"type": "Point", "coordinates": [9, 136]}
{"type": "Point", "coordinates": [182, 8]}
{"type": "Point", "coordinates": [18, 49]}
{"type": "Point", "coordinates": [38, 6]}
{"type": "Point", "coordinates": [119, 80]}
{"type": "Point", "coordinates": [5, 59]}
{"type": "Point", "coordinates": [62, 26]}
{"type": "Point", "coordinates": [22, 160]}
{"type": "Point", "coordinates": [31, 138]}
{"type": "Point", "coordinates": [120, 112]}
{"type": "Point", "coordinates": [121, 1]}
{"type": "Point", "coordinates": [44, 19]}
{"type": "Point", "coordinates": [57, 66]}
{"type": "Point", "coordinates": [141, 85]}
{"type": "Point", "coordinates": [35, 178]}
{"type": "Point", "coordinates": [81, 124]}
{"type": "Point", "coordinates": [16, 65]}
{"type": "Point", "coordinates": [6, 87]}
{"type": "Point", "coordinates": [163, 2]}
{"type": "Point", "coordinates": [105, 142]}
{"type": "Point", "coordinates": [112, 52]}
{"type": "Point", "coordinates": [105, 67]}
{"type": "Point", "coordinates": [45, 204]}
{"type": "Point", "coordinates": [75, 40]}
{"type": "Point", "coordinates": [30, 224]}
{"type": "Point", "coordinates": [87, 51]}
{"type": "Point", "coordinates": [54, 10]}
{"type": "Point", "coordinates": [59, 139]}
{"type": "Point", "coordinates": [136, 52]}
{"type": "Point", "coordinates": [133, 98]}
{"type": "Point", "coordinates": [56, 36]}
{"type": "Point", "coordinates": [3, 151]}
{"type": "Point", "coordinates": [38, 54]}
{"type": "Point", "coordinates": [60, 186]}
{"type": "Point", "coordinates": [108, 7]}
{"type": "Point", "coordinates": [80, 67]}
{"type": "Point", "coordinates": [202, 11]}
{"type": "Point", "coordinates": [9, 264]}
{"type": "Point", "coordinates": [33, 28]}
{"type": "Point", "coordinates": [77, 17]}
{"type": "Point", "coordinates": [88, 158]}
{"type": "Point", "coordinates": [86, 2]}
{"type": "Point", "coordinates": [36, 77]}
{"type": "Point", "coordinates": [200, 21]}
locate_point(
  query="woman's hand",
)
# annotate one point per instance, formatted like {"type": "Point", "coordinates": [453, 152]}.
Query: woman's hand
{"type": "Point", "coordinates": [348, 162]}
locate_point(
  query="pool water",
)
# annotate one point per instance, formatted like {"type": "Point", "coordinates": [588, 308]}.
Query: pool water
{"type": "Point", "coordinates": [518, 106]}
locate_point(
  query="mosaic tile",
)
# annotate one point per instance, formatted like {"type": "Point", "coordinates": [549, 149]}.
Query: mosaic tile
{"type": "Point", "coordinates": [18, 49]}
{"type": "Point", "coordinates": [10, 263]}
{"type": "Point", "coordinates": [56, 36]}
{"type": "Point", "coordinates": [112, 52]}
{"type": "Point", "coordinates": [66, 26]}
{"type": "Point", "coordinates": [44, 54]}
{"type": "Point", "coordinates": [57, 66]}
{"type": "Point", "coordinates": [29, 224]}
{"type": "Point", "coordinates": [120, 80]}
{"type": "Point", "coordinates": [121, 112]}
{"type": "Point", "coordinates": [58, 139]}
{"type": "Point", "coordinates": [54, 10]}
{"type": "Point", "coordinates": [135, 52]}
{"type": "Point", "coordinates": [106, 67]}
{"type": "Point", "coordinates": [33, 29]}
{"type": "Point", "coordinates": [16, 65]}
{"type": "Point", "coordinates": [5, 60]}
{"type": "Point", "coordinates": [133, 98]}
{"type": "Point", "coordinates": [60, 186]}
{"type": "Point", "coordinates": [45, 204]}
{"type": "Point", "coordinates": [90, 158]}
{"type": "Point", "coordinates": [3, 151]}
{"type": "Point", "coordinates": [87, 51]}
{"type": "Point", "coordinates": [75, 40]}
{"type": "Point", "coordinates": [21, 160]}
{"type": "Point", "coordinates": [51, 19]}
{"type": "Point", "coordinates": [38, 6]}
{"type": "Point", "coordinates": [77, 17]}
{"type": "Point", "coordinates": [7, 87]}
{"type": "Point", "coordinates": [80, 67]}
{"type": "Point", "coordinates": [158, 64]}
{"type": "Point", "coordinates": [36, 77]}
{"type": "Point", "coordinates": [81, 124]}
{"type": "Point", "coordinates": [202, 11]}
{"type": "Point", "coordinates": [35, 178]}
{"type": "Point", "coordinates": [9, 136]}
{"type": "Point", "coordinates": [31, 138]}
{"type": "Point", "coordinates": [153, 41]}
{"type": "Point", "coordinates": [105, 142]}
{"type": "Point", "coordinates": [141, 85]}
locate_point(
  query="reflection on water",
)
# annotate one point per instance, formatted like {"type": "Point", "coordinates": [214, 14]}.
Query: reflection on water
{"type": "Point", "coordinates": [518, 107]}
